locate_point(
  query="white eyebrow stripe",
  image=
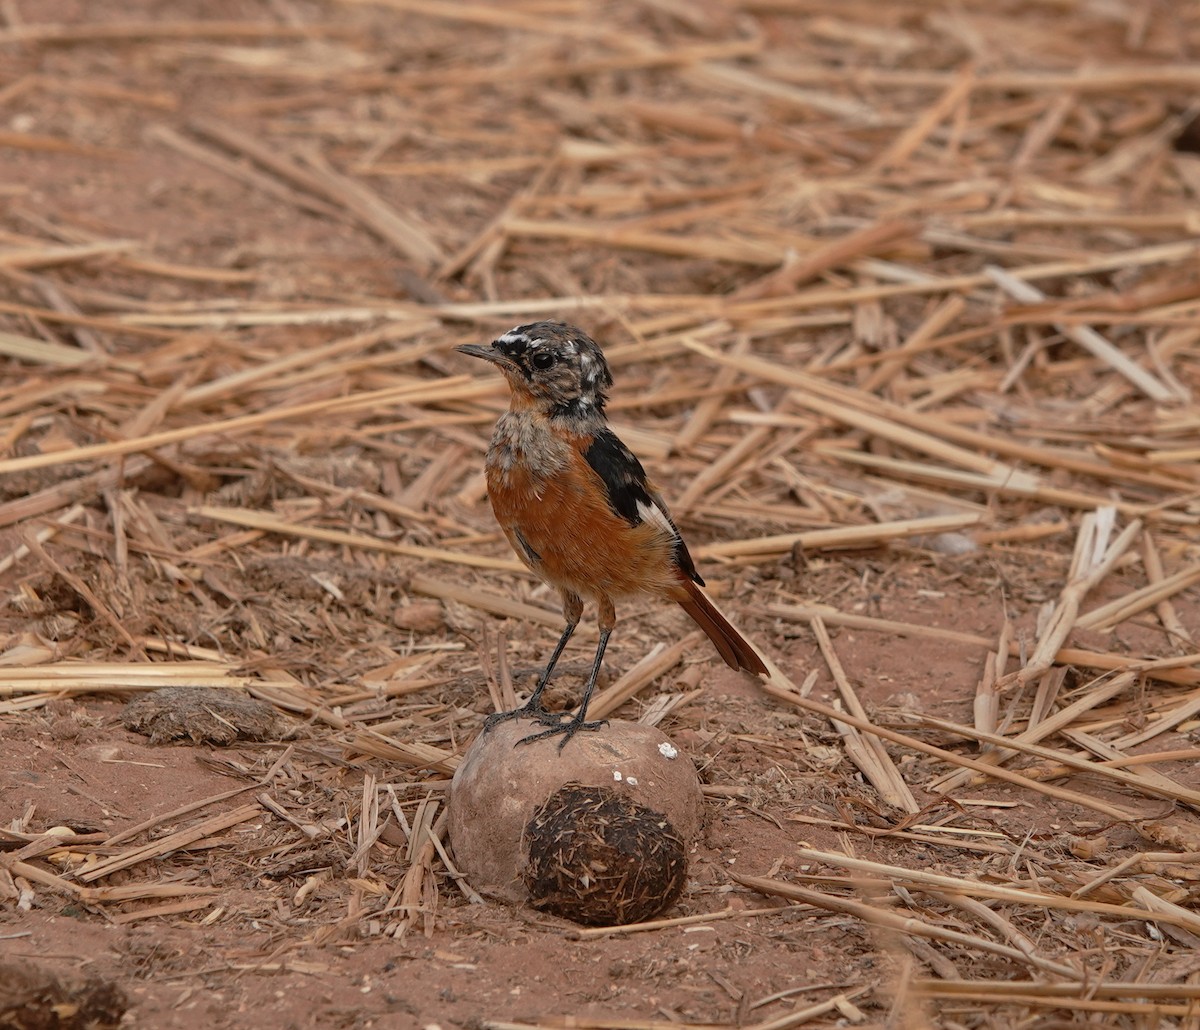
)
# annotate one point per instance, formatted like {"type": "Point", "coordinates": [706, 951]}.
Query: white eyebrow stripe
{"type": "Point", "coordinates": [653, 513]}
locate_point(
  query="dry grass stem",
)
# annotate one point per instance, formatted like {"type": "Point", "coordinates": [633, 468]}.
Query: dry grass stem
{"type": "Point", "coordinates": [902, 309]}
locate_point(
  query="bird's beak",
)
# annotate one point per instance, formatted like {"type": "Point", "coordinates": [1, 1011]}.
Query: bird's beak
{"type": "Point", "coordinates": [488, 354]}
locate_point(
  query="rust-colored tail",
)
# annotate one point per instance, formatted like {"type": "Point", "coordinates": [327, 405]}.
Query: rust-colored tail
{"type": "Point", "coordinates": [734, 648]}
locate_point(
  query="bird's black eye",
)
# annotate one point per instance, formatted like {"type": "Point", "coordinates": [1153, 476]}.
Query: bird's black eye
{"type": "Point", "coordinates": [543, 360]}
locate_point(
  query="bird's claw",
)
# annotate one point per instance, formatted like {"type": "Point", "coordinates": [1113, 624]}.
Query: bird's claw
{"type": "Point", "coordinates": [567, 729]}
{"type": "Point", "coordinates": [530, 710]}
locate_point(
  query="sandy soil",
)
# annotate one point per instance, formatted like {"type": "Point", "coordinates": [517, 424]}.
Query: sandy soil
{"type": "Point", "coordinates": [281, 919]}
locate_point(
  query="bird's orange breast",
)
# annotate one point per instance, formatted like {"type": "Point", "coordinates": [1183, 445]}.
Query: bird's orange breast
{"type": "Point", "coordinates": [557, 517]}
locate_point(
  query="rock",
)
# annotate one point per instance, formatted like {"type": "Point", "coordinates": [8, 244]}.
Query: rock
{"type": "Point", "coordinates": [499, 787]}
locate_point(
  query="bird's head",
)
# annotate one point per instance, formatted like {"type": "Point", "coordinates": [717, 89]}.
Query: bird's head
{"type": "Point", "coordinates": [552, 367]}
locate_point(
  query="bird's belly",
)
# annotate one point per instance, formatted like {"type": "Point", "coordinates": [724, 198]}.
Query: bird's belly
{"type": "Point", "coordinates": [564, 530]}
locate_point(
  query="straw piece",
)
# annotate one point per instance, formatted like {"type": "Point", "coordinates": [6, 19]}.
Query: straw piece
{"type": "Point", "coordinates": [741, 80]}
{"type": "Point", "coordinates": [482, 14]}
{"type": "Point", "coordinates": [446, 389]}
{"type": "Point", "coordinates": [1189, 707]}
{"type": "Point", "coordinates": [1087, 338]}
{"type": "Point", "coordinates": [841, 537]}
{"type": "Point", "coordinates": [1117, 611]}
{"type": "Point", "coordinates": [1154, 1012]}
{"type": "Point", "coordinates": [318, 178]}
{"type": "Point", "coordinates": [1169, 790]}
{"type": "Point", "coordinates": [1091, 564]}
{"type": "Point", "coordinates": [907, 143]}
{"type": "Point", "coordinates": [1042, 729]}
{"type": "Point", "coordinates": [921, 879]}
{"type": "Point", "coordinates": [91, 32]}
{"type": "Point", "coordinates": [34, 546]}
{"type": "Point", "coordinates": [1152, 562]}
{"type": "Point", "coordinates": [274, 524]}
{"type": "Point", "coordinates": [1168, 670]}
{"type": "Point", "coordinates": [401, 230]}
{"type": "Point", "coordinates": [47, 532]}
{"type": "Point", "coordinates": [789, 695]}
{"type": "Point", "coordinates": [236, 170]}
{"type": "Point", "coordinates": [1062, 990]}
{"type": "Point", "coordinates": [592, 932]}
{"type": "Point", "coordinates": [172, 908]}
{"type": "Point", "coordinates": [869, 754]}
{"type": "Point", "coordinates": [1179, 916]}
{"type": "Point", "coordinates": [918, 342]}
{"type": "Point", "coordinates": [660, 660]}
{"type": "Point", "coordinates": [867, 413]}
{"type": "Point", "coordinates": [1117, 759]}
{"type": "Point", "coordinates": [715, 248]}
{"type": "Point", "coordinates": [877, 916]}
{"type": "Point", "coordinates": [180, 840]}
{"type": "Point", "coordinates": [734, 458]}
{"type": "Point", "coordinates": [49, 256]}
{"type": "Point", "coordinates": [191, 806]}
{"type": "Point", "coordinates": [868, 240]}
{"type": "Point", "coordinates": [42, 352]}
{"type": "Point", "coordinates": [407, 752]}
{"type": "Point", "coordinates": [484, 601]}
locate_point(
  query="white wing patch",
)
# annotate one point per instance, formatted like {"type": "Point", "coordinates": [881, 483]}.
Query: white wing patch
{"type": "Point", "coordinates": [653, 513]}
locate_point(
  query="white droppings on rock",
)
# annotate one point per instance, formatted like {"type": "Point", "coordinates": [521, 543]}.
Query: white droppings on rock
{"type": "Point", "coordinates": [667, 750]}
{"type": "Point", "coordinates": [617, 775]}
{"type": "Point", "coordinates": [631, 780]}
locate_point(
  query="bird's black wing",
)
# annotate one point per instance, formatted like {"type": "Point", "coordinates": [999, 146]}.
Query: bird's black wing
{"type": "Point", "coordinates": [630, 496]}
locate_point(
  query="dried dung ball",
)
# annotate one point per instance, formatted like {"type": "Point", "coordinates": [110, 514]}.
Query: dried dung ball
{"type": "Point", "coordinates": [598, 857]}
{"type": "Point", "coordinates": [33, 998]}
{"type": "Point", "coordinates": [501, 783]}
{"type": "Point", "coordinates": [204, 715]}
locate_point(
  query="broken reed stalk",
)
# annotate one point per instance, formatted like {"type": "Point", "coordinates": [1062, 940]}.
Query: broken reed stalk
{"type": "Point", "coordinates": [172, 842]}
{"type": "Point", "coordinates": [660, 660]}
{"type": "Point", "coordinates": [921, 879]}
{"type": "Point", "coordinates": [881, 395]}
{"type": "Point", "coordinates": [274, 524]}
{"type": "Point", "coordinates": [1167, 670]}
{"type": "Point", "coordinates": [1153, 594]}
{"type": "Point", "coordinates": [1105, 691]}
{"type": "Point", "coordinates": [446, 389]}
{"type": "Point", "coordinates": [1086, 337]}
{"type": "Point", "coordinates": [867, 753]}
{"type": "Point", "coordinates": [413, 898]}
{"type": "Point", "coordinates": [1152, 562]}
{"type": "Point", "coordinates": [1092, 561]}
{"type": "Point", "coordinates": [876, 916]}
{"type": "Point", "coordinates": [1140, 784]}
{"type": "Point", "coordinates": [786, 694]}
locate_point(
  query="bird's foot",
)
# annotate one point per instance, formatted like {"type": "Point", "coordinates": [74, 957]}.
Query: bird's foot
{"type": "Point", "coordinates": [529, 710]}
{"type": "Point", "coordinates": [567, 729]}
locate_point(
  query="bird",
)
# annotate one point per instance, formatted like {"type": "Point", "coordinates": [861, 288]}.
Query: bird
{"type": "Point", "coordinates": [578, 509]}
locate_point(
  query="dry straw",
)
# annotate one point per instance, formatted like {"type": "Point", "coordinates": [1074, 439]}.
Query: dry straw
{"type": "Point", "coordinates": [902, 307]}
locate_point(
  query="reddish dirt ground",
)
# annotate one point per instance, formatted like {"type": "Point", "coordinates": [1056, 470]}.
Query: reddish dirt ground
{"type": "Point", "coordinates": [292, 926]}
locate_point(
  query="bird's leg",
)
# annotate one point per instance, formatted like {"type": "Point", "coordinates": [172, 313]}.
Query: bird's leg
{"type": "Point", "coordinates": [578, 722]}
{"type": "Point", "coordinates": [533, 708]}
